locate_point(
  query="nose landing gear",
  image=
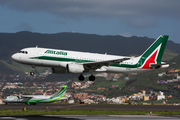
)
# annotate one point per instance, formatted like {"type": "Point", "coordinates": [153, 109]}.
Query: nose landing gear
{"type": "Point", "coordinates": [32, 73]}
{"type": "Point", "coordinates": [33, 69]}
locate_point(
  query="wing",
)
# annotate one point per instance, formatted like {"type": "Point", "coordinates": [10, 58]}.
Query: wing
{"type": "Point", "coordinates": [97, 65]}
{"type": "Point", "coordinates": [25, 96]}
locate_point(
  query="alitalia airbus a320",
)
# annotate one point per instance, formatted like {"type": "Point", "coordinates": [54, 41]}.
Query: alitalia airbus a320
{"type": "Point", "coordinates": [65, 61]}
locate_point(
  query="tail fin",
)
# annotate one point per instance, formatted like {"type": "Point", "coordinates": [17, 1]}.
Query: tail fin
{"type": "Point", "coordinates": [154, 53]}
{"type": "Point", "coordinates": [61, 92]}
{"type": "Point", "coordinates": [57, 96]}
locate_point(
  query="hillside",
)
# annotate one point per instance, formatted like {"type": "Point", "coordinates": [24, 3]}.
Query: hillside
{"type": "Point", "coordinates": [118, 45]}
{"type": "Point", "coordinates": [168, 55]}
{"type": "Point", "coordinates": [177, 61]}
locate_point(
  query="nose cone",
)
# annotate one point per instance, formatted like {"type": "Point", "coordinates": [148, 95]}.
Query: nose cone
{"type": "Point", "coordinates": [4, 101]}
{"type": "Point", "coordinates": [14, 57]}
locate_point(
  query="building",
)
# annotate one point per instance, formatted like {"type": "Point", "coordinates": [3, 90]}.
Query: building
{"type": "Point", "coordinates": [160, 96]}
{"type": "Point", "coordinates": [70, 100]}
{"type": "Point", "coordinates": [178, 77]}
{"type": "Point", "coordinates": [1, 100]}
{"type": "Point", "coordinates": [161, 74]}
{"type": "Point", "coordinates": [145, 98]}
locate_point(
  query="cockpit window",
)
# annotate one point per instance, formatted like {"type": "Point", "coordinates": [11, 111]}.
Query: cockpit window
{"type": "Point", "coordinates": [24, 52]}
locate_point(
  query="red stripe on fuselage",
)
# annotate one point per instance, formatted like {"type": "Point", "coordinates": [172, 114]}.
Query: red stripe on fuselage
{"type": "Point", "coordinates": [150, 60]}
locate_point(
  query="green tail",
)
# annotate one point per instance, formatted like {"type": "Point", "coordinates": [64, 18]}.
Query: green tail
{"type": "Point", "coordinates": [154, 53]}
{"type": "Point", "coordinates": [62, 91]}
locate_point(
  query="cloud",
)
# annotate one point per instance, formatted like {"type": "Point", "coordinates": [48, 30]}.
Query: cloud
{"type": "Point", "coordinates": [125, 34]}
{"type": "Point", "coordinates": [24, 27]}
{"type": "Point", "coordinates": [142, 22]}
{"type": "Point", "coordinates": [137, 13]}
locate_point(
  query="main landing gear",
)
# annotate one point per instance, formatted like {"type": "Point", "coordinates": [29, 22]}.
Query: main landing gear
{"type": "Point", "coordinates": [81, 77]}
{"type": "Point", "coordinates": [31, 103]}
{"type": "Point", "coordinates": [91, 78]}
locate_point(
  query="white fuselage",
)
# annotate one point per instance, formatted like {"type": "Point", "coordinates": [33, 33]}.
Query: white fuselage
{"type": "Point", "coordinates": [37, 98]}
{"type": "Point", "coordinates": [15, 99]}
{"type": "Point", "coordinates": [39, 57]}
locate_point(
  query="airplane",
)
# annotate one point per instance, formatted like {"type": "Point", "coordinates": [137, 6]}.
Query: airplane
{"type": "Point", "coordinates": [65, 61]}
{"type": "Point", "coordinates": [33, 99]}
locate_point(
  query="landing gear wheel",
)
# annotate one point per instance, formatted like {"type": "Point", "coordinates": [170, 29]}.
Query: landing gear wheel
{"type": "Point", "coordinates": [33, 68]}
{"type": "Point", "coordinates": [32, 103]}
{"type": "Point", "coordinates": [81, 77]}
{"type": "Point", "coordinates": [91, 78]}
{"type": "Point", "coordinates": [32, 73]}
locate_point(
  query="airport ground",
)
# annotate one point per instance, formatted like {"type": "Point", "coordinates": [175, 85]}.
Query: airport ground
{"type": "Point", "coordinates": [113, 107]}
{"type": "Point", "coordinates": [98, 108]}
{"type": "Point", "coordinates": [88, 117]}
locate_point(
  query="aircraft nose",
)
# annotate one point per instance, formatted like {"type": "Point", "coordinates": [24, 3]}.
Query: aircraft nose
{"type": "Point", "coordinates": [3, 101]}
{"type": "Point", "coordinates": [14, 57]}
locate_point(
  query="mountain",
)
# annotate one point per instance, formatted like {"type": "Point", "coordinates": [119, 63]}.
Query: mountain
{"type": "Point", "coordinates": [117, 45]}
{"type": "Point", "coordinates": [168, 55]}
{"type": "Point", "coordinates": [177, 62]}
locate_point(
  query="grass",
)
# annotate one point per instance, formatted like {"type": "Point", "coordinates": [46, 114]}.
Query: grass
{"type": "Point", "coordinates": [101, 82]}
{"type": "Point", "coordinates": [82, 112]}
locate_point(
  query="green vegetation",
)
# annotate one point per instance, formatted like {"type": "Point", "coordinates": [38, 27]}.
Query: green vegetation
{"type": "Point", "coordinates": [102, 82]}
{"type": "Point", "coordinates": [168, 55]}
{"type": "Point", "coordinates": [105, 87]}
{"type": "Point", "coordinates": [12, 67]}
{"type": "Point", "coordinates": [82, 112]}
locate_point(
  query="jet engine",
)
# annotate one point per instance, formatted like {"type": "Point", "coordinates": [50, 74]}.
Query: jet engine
{"type": "Point", "coordinates": [74, 68]}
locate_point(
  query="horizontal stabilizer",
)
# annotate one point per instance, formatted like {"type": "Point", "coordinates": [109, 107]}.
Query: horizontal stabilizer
{"type": "Point", "coordinates": [156, 66]}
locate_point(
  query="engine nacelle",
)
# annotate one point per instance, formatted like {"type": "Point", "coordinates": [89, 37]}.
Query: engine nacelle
{"type": "Point", "coordinates": [74, 68]}
{"type": "Point", "coordinates": [59, 70]}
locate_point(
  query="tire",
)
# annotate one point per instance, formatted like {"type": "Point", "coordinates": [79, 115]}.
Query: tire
{"type": "Point", "coordinates": [91, 78]}
{"type": "Point", "coordinates": [32, 73]}
{"type": "Point", "coordinates": [81, 77]}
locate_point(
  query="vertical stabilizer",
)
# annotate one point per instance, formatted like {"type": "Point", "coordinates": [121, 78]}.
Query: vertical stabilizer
{"type": "Point", "coordinates": [61, 92]}
{"type": "Point", "coordinates": [154, 53]}
{"type": "Point", "coordinates": [57, 96]}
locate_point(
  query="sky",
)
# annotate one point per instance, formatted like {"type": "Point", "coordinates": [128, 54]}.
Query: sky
{"type": "Point", "coordinates": [149, 18]}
